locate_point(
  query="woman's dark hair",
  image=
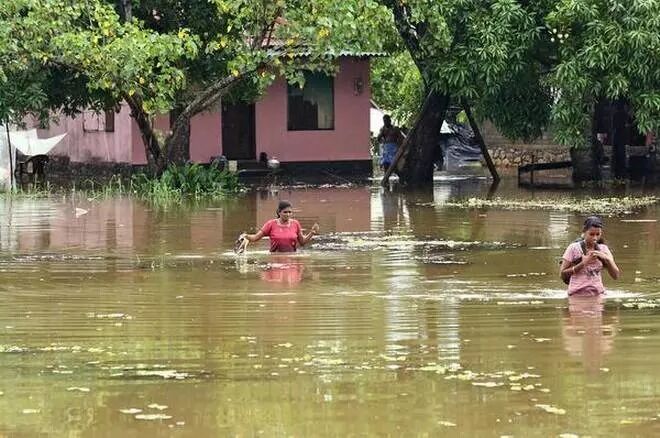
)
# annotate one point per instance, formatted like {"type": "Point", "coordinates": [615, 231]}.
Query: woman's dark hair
{"type": "Point", "coordinates": [593, 221]}
{"type": "Point", "coordinates": [281, 206]}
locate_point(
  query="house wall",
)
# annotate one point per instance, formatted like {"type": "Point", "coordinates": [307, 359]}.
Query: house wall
{"type": "Point", "coordinates": [348, 141]}
{"type": "Point", "coordinates": [205, 137]}
{"type": "Point", "coordinates": [82, 145]}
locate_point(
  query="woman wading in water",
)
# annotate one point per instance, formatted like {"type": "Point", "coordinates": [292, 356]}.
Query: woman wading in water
{"type": "Point", "coordinates": [584, 260]}
{"type": "Point", "coordinates": [285, 233]}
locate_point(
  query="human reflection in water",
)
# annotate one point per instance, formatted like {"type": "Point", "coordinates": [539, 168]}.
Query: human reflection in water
{"type": "Point", "coordinates": [588, 333]}
{"type": "Point", "coordinates": [393, 209]}
{"type": "Point", "coordinates": [283, 270]}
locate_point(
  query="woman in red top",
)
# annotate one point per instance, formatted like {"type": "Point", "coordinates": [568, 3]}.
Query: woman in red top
{"type": "Point", "coordinates": [285, 233]}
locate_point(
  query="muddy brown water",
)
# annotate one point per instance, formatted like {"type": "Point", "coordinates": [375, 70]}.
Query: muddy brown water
{"type": "Point", "coordinates": [404, 318]}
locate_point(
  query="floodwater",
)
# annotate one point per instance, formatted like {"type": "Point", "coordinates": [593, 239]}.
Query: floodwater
{"type": "Point", "coordinates": [404, 318]}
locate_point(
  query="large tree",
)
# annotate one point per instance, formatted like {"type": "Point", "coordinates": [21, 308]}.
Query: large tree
{"type": "Point", "coordinates": [484, 54]}
{"type": "Point", "coordinates": [159, 55]}
{"type": "Point", "coordinates": [532, 65]}
{"type": "Point", "coordinates": [607, 49]}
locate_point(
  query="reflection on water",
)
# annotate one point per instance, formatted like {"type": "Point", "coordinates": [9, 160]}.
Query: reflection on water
{"type": "Point", "coordinates": [404, 317]}
{"type": "Point", "coordinates": [588, 332]}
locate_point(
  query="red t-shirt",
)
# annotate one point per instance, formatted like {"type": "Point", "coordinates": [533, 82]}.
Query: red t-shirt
{"type": "Point", "coordinates": [283, 238]}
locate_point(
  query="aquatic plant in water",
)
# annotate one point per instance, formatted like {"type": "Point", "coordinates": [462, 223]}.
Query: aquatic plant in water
{"type": "Point", "coordinates": [606, 206]}
{"type": "Point", "coordinates": [189, 181]}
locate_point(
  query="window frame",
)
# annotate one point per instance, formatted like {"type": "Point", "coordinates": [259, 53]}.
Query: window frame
{"type": "Point", "coordinates": [288, 103]}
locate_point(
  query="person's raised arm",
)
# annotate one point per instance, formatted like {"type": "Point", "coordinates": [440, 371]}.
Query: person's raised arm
{"type": "Point", "coordinates": [608, 261]}
{"type": "Point", "coordinates": [381, 135]}
{"type": "Point", "coordinates": [304, 238]}
{"type": "Point", "coordinates": [566, 269]}
{"type": "Point", "coordinates": [400, 137]}
{"type": "Point", "coordinates": [253, 237]}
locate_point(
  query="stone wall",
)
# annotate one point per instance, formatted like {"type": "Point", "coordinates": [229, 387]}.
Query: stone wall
{"type": "Point", "coordinates": [507, 153]}
{"type": "Point", "coordinates": [518, 155]}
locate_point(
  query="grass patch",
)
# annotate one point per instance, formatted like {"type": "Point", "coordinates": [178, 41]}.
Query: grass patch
{"type": "Point", "coordinates": [176, 186]}
{"type": "Point", "coordinates": [605, 206]}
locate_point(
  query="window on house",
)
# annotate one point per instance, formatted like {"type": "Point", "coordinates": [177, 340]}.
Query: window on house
{"type": "Point", "coordinates": [312, 107]}
{"type": "Point", "coordinates": [94, 121]}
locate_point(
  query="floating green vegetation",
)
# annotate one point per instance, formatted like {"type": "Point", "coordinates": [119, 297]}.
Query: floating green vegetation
{"type": "Point", "coordinates": [606, 206]}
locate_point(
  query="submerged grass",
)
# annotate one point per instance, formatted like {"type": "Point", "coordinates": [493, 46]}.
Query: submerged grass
{"type": "Point", "coordinates": [606, 206]}
{"type": "Point", "coordinates": [176, 186]}
{"type": "Point", "coordinates": [191, 181]}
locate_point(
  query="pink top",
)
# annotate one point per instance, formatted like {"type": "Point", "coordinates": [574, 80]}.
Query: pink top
{"type": "Point", "coordinates": [588, 280]}
{"type": "Point", "coordinates": [283, 238]}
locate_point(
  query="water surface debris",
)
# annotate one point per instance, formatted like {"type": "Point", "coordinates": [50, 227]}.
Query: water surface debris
{"type": "Point", "coordinates": [152, 417]}
{"type": "Point", "coordinates": [608, 206]}
{"type": "Point", "coordinates": [551, 409]}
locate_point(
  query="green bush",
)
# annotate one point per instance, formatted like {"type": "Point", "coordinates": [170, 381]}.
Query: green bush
{"type": "Point", "coordinates": [188, 181]}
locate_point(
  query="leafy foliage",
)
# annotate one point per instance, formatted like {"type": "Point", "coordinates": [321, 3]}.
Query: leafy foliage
{"type": "Point", "coordinates": [397, 86]}
{"type": "Point", "coordinates": [187, 181]}
{"type": "Point", "coordinates": [609, 49]}
{"type": "Point", "coordinates": [485, 53]}
{"type": "Point", "coordinates": [59, 45]}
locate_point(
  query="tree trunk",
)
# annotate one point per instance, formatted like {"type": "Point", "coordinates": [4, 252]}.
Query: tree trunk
{"type": "Point", "coordinates": [415, 168]}
{"type": "Point", "coordinates": [178, 143]}
{"type": "Point", "coordinates": [152, 148]}
{"type": "Point", "coordinates": [126, 10]}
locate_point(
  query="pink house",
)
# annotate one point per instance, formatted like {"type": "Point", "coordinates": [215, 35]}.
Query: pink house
{"type": "Point", "coordinates": [324, 125]}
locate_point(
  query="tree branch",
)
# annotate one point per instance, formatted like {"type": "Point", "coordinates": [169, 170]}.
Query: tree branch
{"type": "Point", "coordinates": [216, 90]}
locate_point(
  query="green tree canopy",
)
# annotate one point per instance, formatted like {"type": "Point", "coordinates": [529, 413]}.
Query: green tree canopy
{"type": "Point", "coordinates": [606, 48]}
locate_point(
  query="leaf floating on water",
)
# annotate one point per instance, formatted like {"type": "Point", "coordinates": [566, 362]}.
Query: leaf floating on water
{"type": "Point", "coordinates": [488, 384]}
{"type": "Point", "coordinates": [165, 374]}
{"type": "Point", "coordinates": [109, 315]}
{"type": "Point", "coordinates": [12, 349]}
{"type": "Point", "coordinates": [446, 423]}
{"type": "Point", "coordinates": [130, 411]}
{"type": "Point", "coordinates": [551, 409]}
{"type": "Point", "coordinates": [152, 417]}
{"type": "Point", "coordinates": [157, 406]}
{"type": "Point", "coordinates": [78, 388]}
{"type": "Point", "coordinates": [435, 368]}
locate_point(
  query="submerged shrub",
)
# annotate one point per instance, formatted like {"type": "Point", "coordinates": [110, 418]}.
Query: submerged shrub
{"type": "Point", "coordinates": [187, 181]}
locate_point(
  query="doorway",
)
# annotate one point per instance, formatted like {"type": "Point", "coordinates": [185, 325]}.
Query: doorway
{"type": "Point", "coordinates": [238, 131]}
